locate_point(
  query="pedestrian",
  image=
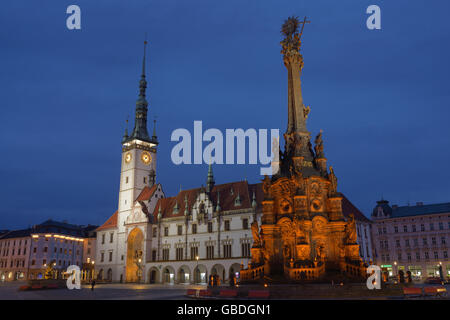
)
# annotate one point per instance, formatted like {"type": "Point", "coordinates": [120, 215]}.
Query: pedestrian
{"type": "Point", "coordinates": [92, 284]}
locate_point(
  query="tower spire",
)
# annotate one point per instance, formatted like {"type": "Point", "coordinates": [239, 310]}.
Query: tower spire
{"type": "Point", "coordinates": [210, 180]}
{"type": "Point", "coordinates": [140, 124]}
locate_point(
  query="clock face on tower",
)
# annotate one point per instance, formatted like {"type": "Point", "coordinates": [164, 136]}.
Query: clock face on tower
{"type": "Point", "coordinates": [128, 157]}
{"type": "Point", "coordinates": [146, 157]}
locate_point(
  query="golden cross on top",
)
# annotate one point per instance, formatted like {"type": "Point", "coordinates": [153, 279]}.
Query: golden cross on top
{"type": "Point", "coordinates": [303, 25]}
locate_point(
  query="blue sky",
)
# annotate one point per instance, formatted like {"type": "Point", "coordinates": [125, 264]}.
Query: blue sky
{"type": "Point", "coordinates": [380, 96]}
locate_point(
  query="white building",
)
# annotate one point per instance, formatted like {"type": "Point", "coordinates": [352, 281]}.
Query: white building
{"type": "Point", "coordinates": [182, 239]}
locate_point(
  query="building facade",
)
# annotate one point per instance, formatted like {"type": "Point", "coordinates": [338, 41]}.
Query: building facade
{"type": "Point", "coordinates": [197, 233]}
{"type": "Point", "coordinates": [412, 238]}
{"type": "Point", "coordinates": [51, 246]}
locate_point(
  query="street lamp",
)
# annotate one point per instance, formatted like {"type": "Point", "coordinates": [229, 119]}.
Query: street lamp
{"type": "Point", "coordinates": [198, 271]}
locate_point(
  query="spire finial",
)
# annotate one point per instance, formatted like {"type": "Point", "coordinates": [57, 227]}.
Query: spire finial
{"type": "Point", "coordinates": [210, 180]}
{"type": "Point", "coordinates": [143, 62]}
{"type": "Point", "coordinates": [140, 124]}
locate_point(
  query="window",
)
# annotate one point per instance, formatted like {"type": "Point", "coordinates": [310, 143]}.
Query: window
{"type": "Point", "coordinates": [409, 257]}
{"type": "Point", "coordinates": [227, 250]}
{"type": "Point", "coordinates": [227, 225]}
{"type": "Point", "coordinates": [384, 230]}
{"type": "Point", "coordinates": [431, 226]}
{"type": "Point", "coordinates": [102, 257]}
{"type": "Point", "coordinates": [179, 254]}
{"type": "Point", "coordinates": [194, 253]}
{"type": "Point", "coordinates": [153, 255]}
{"type": "Point", "coordinates": [166, 231]}
{"type": "Point", "coordinates": [417, 256]}
{"type": "Point", "coordinates": [405, 228]}
{"type": "Point", "coordinates": [386, 244]}
{"type": "Point", "coordinates": [103, 238]}
{"type": "Point", "coordinates": [436, 256]}
{"type": "Point", "coordinates": [399, 256]}
{"type": "Point", "coordinates": [414, 228]}
{"type": "Point", "coordinates": [425, 241]}
{"type": "Point", "coordinates": [441, 226]}
{"type": "Point", "coordinates": [155, 231]}
{"type": "Point", "coordinates": [245, 223]}
{"type": "Point", "coordinates": [416, 242]}
{"type": "Point", "coordinates": [422, 227]}
{"type": "Point", "coordinates": [397, 242]}
{"type": "Point", "coordinates": [165, 253]}
{"type": "Point", "coordinates": [110, 256]}
{"type": "Point", "coordinates": [445, 255]}
{"type": "Point", "coordinates": [194, 228]}
{"type": "Point", "coordinates": [45, 249]}
{"type": "Point", "coordinates": [111, 237]}
{"type": "Point", "coordinates": [442, 240]}
{"type": "Point", "coordinates": [33, 262]}
{"type": "Point", "coordinates": [210, 227]}
{"type": "Point", "coordinates": [145, 180]}
{"type": "Point", "coordinates": [126, 180]}
{"type": "Point", "coordinates": [209, 252]}
{"type": "Point", "coordinates": [427, 256]}
{"type": "Point", "coordinates": [34, 250]}
{"type": "Point", "coordinates": [407, 242]}
{"type": "Point", "coordinates": [433, 241]}
{"type": "Point", "coordinates": [180, 230]}
{"type": "Point", "coordinates": [245, 247]}
{"type": "Point", "coordinates": [380, 231]}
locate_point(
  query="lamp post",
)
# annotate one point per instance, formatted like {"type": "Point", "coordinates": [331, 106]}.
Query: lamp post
{"type": "Point", "coordinates": [197, 272]}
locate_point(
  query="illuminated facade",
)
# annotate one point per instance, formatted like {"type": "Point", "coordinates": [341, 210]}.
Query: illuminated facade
{"type": "Point", "coordinates": [30, 253]}
{"type": "Point", "coordinates": [412, 238]}
{"type": "Point", "coordinates": [304, 234]}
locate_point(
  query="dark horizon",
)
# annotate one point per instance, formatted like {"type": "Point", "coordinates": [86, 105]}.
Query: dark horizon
{"type": "Point", "coordinates": [380, 96]}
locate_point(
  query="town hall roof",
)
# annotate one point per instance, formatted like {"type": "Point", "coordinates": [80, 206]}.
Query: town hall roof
{"type": "Point", "coordinates": [226, 194]}
{"type": "Point", "coordinates": [110, 223]}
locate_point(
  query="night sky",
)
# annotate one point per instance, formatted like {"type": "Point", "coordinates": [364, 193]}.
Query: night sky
{"type": "Point", "coordinates": [381, 96]}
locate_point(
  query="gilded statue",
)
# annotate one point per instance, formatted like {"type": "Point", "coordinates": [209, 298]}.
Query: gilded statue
{"type": "Point", "coordinates": [256, 235]}
{"type": "Point", "coordinates": [350, 230]}
{"type": "Point", "coordinates": [333, 180]}
{"type": "Point", "coordinates": [318, 148]}
{"type": "Point", "coordinates": [266, 187]}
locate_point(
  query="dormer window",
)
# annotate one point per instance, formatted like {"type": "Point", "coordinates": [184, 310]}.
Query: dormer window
{"type": "Point", "coordinates": [237, 201]}
{"type": "Point", "coordinates": [175, 209]}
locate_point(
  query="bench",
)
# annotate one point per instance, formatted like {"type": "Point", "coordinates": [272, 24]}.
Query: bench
{"type": "Point", "coordinates": [52, 286]}
{"type": "Point", "coordinates": [258, 294]}
{"type": "Point", "coordinates": [435, 291]}
{"type": "Point", "coordinates": [204, 293]}
{"type": "Point", "coordinates": [412, 292]}
{"type": "Point", "coordinates": [191, 292]}
{"type": "Point", "coordinates": [36, 287]}
{"type": "Point", "coordinates": [228, 293]}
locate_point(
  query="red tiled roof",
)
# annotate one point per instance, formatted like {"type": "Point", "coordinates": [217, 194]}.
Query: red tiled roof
{"type": "Point", "coordinates": [348, 208]}
{"type": "Point", "coordinates": [110, 223]}
{"type": "Point", "coordinates": [147, 193]}
{"type": "Point", "coordinates": [227, 199]}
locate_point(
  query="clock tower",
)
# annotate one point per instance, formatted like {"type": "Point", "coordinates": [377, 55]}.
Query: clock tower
{"type": "Point", "coordinates": [138, 168]}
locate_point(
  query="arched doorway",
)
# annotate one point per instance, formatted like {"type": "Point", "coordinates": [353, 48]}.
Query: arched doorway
{"type": "Point", "coordinates": [184, 274]}
{"type": "Point", "coordinates": [135, 258]}
{"type": "Point", "coordinates": [218, 270]}
{"type": "Point", "coordinates": [153, 275]}
{"type": "Point", "coordinates": [200, 274]}
{"type": "Point", "coordinates": [168, 275]}
{"type": "Point", "coordinates": [109, 275]}
{"type": "Point", "coordinates": [234, 271]}
{"type": "Point", "coordinates": [100, 275]}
